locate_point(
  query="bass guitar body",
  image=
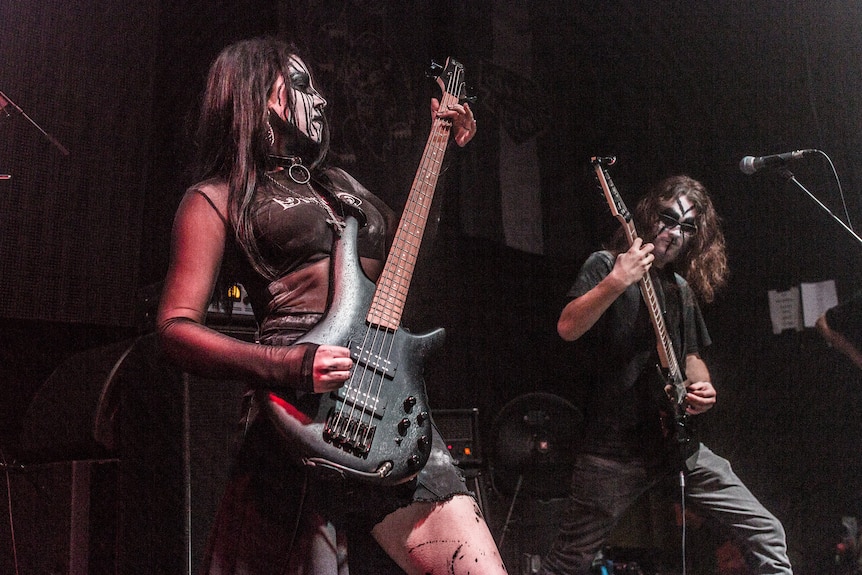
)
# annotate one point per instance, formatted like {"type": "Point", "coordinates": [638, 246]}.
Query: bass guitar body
{"type": "Point", "coordinates": [377, 426]}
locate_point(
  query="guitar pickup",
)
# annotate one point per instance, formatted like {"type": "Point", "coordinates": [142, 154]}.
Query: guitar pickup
{"type": "Point", "coordinates": [362, 400]}
{"type": "Point", "coordinates": [373, 361]}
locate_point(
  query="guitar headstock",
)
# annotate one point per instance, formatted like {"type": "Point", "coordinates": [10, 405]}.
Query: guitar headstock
{"type": "Point", "coordinates": [615, 201]}
{"type": "Point", "coordinates": [450, 78]}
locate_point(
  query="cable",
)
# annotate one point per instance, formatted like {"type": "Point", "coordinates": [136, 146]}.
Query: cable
{"type": "Point", "coordinates": [840, 189]}
{"type": "Point", "coordinates": [682, 505]}
{"type": "Point", "coordinates": [9, 502]}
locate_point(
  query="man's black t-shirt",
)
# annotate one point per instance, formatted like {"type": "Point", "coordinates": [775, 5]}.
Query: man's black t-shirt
{"type": "Point", "coordinates": [622, 399]}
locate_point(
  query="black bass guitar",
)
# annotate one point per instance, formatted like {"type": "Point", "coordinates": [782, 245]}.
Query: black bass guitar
{"type": "Point", "coordinates": [376, 427]}
{"type": "Point", "coordinates": [676, 423]}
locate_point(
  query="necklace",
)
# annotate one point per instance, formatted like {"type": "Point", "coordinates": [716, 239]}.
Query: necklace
{"type": "Point", "coordinates": [333, 220]}
{"type": "Point", "coordinates": [295, 170]}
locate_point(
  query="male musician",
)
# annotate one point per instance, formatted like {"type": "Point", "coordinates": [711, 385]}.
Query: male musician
{"type": "Point", "coordinates": [627, 447]}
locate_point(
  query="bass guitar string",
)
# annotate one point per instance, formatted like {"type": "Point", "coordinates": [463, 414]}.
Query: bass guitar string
{"type": "Point", "coordinates": [441, 134]}
{"type": "Point", "coordinates": [378, 377]}
{"type": "Point", "coordinates": [354, 389]}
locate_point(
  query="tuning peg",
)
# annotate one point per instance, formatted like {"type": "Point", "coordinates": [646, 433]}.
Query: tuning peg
{"type": "Point", "coordinates": [605, 160]}
{"type": "Point", "coordinates": [434, 70]}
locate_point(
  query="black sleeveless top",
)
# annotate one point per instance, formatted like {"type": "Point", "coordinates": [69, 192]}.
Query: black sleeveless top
{"type": "Point", "coordinates": [295, 239]}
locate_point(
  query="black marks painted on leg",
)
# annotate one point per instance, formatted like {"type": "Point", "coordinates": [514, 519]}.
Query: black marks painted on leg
{"type": "Point", "coordinates": [458, 562]}
{"type": "Point", "coordinates": [477, 511]}
{"type": "Point", "coordinates": [455, 558]}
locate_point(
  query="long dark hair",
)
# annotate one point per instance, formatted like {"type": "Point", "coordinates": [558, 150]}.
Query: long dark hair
{"type": "Point", "coordinates": [231, 139]}
{"type": "Point", "coordinates": [703, 264]}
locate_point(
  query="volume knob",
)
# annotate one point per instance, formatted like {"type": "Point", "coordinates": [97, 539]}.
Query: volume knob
{"type": "Point", "coordinates": [403, 426]}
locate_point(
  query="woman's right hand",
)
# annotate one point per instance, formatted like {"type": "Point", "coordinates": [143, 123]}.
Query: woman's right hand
{"type": "Point", "coordinates": [332, 365]}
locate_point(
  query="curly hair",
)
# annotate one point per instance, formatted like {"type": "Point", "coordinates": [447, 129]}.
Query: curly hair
{"type": "Point", "coordinates": [703, 264]}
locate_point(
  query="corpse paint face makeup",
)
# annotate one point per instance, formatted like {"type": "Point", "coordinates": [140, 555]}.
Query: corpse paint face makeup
{"type": "Point", "coordinates": [677, 224]}
{"type": "Point", "coordinates": [307, 112]}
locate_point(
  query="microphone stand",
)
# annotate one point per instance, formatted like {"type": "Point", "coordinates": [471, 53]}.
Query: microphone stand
{"type": "Point", "coordinates": [49, 137]}
{"type": "Point", "coordinates": [4, 114]}
{"type": "Point", "coordinates": [788, 175]}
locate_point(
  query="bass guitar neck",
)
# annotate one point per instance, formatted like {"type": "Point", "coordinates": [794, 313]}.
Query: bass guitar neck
{"type": "Point", "coordinates": [377, 427]}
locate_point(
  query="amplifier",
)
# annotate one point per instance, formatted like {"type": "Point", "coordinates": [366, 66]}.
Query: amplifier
{"type": "Point", "coordinates": [460, 430]}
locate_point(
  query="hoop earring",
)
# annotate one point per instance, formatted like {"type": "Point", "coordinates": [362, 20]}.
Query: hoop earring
{"type": "Point", "coordinates": [270, 135]}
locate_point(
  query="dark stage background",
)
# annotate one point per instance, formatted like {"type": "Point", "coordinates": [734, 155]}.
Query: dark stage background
{"type": "Point", "coordinates": [666, 86]}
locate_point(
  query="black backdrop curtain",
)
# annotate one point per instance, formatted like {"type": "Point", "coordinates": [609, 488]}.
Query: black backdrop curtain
{"type": "Point", "coordinates": [70, 225]}
{"type": "Point", "coordinates": [664, 86]}
{"type": "Point", "coordinates": [669, 86]}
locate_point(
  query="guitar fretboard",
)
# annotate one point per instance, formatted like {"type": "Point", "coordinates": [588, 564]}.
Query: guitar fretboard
{"type": "Point", "coordinates": [664, 346]}
{"type": "Point", "coordinates": [667, 356]}
{"type": "Point", "coordinates": [387, 305]}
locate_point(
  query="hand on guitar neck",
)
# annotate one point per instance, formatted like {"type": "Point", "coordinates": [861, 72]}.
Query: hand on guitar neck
{"type": "Point", "coordinates": [583, 312]}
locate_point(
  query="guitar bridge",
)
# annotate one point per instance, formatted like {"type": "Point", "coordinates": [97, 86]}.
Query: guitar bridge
{"type": "Point", "coordinates": [349, 433]}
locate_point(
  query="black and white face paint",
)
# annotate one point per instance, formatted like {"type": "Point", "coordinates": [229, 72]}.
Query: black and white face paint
{"type": "Point", "coordinates": [306, 114]}
{"type": "Point", "coordinates": [677, 224]}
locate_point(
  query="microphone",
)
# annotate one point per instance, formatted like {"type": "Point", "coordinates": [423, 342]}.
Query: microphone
{"type": "Point", "coordinates": [750, 164]}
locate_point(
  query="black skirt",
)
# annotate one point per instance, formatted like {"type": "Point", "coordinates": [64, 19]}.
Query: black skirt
{"type": "Point", "coordinates": [274, 511]}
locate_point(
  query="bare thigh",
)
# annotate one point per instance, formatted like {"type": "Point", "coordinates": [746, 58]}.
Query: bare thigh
{"type": "Point", "coordinates": [448, 537]}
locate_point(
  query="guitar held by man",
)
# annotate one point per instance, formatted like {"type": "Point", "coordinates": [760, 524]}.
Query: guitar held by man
{"type": "Point", "coordinates": [677, 426]}
{"type": "Point", "coordinates": [632, 302]}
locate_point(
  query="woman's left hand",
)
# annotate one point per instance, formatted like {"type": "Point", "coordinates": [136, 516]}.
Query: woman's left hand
{"type": "Point", "coordinates": [461, 116]}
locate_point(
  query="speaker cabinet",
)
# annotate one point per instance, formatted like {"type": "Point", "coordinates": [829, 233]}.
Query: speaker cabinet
{"type": "Point", "coordinates": [170, 438]}
{"type": "Point", "coordinates": [460, 429]}
{"type": "Point", "coordinates": [213, 410]}
{"type": "Point", "coordinates": [179, 434]}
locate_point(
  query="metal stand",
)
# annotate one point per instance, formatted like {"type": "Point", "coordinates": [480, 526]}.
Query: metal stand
{"type": "Point", "coordinates": [49, 137]}
{"type": "Point", "coordinates": [511, 509]}
{"type": "Point", "coordinates": [788, 175]}
{"type": "Point", "coordinates": [6, 101]}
